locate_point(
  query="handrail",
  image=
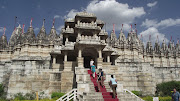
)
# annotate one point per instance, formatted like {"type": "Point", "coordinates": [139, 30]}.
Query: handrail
{"type": "Point", "coordinates": [133, 94]}
{"type": "Point", "coordinates": [68, 96]}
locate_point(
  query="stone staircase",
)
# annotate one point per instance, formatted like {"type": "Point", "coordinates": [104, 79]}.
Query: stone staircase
{"type": "Point", "coordinates": [105, 93]}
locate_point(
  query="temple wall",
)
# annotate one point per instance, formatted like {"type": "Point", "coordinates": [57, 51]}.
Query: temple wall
{"type": "Point", "coordinates": [29, 76]}
{"type": "Point", "coordinates": [164, 74]}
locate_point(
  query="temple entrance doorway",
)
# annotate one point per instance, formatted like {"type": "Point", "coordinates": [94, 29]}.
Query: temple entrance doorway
{"type": "Point", "coordinates": [88, 54]}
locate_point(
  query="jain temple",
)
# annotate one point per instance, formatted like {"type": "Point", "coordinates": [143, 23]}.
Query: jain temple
{"type": "Point", "coordinates": [52, 62]}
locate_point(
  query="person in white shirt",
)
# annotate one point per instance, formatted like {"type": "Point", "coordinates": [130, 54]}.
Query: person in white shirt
{"type": "Point", "coordinates": [113, 83]}
{"type": "Point", "coordinates": [91, 62]}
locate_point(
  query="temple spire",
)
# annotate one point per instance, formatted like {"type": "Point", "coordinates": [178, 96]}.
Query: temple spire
{"type": "Point", "coordinates": [131, 27]}
{"type": "Point", "coordinates": [53, 22]}
{"type": "Point", "coordinates": [43, 22]}
{"type": "Point", "coordinates": [23, 29]}
{"type": "Point", "coordinates": [113, 28]}
{"type": "Point", "coordinates": [4, 31]}
{"type": "Point", "coordinates": [177, 40]}
{"type": "Point", "coordinates": [15, 22]}
{"type": "Point", "coordinates": [135, 28]}
{"type": "Point", "coordinates": [122, 29]}
{"type": "Point", "coordinates": [31, 22]}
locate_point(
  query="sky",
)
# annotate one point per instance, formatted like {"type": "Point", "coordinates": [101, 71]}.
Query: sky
{"type": "Point", "coordinates": [154, 18]}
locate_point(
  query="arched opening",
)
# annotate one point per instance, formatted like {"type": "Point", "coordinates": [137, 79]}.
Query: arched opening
{"type": "Point", "coordinates": [88, 54]}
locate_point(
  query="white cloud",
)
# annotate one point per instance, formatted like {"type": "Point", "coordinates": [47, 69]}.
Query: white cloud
{"type": "Point", "coordinates": [163, 23]}
{"type": "Point", "coordinates": [2, 7]}
{"type": "Point", "coordinates": [154, 33]}
{"type": "Point", "coordinates": [71, 14]}
{"type": "Point", "coordinates": [60, 27]}
{"type": "Point", "coordinates": [112, 12]}
{"type": "Point", "coordinates": [149, 23]}
{"type": "Point", "coordinates": [36, 29]}
{"type": "Point", "coordinates": [56, 16]}
{"type": "Point", "coordinates": [152, 4]}
{"type": "Point", "coordinates": [2, 29]}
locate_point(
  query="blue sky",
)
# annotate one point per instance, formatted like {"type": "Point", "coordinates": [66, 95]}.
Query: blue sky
{"type": "Point", "coordinates": [151, 16]}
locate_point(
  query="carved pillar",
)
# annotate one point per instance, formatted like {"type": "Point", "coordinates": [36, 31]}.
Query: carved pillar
{"type": "Point", "coordinates": [100, 59]}
{"type": "Point", "coordinates": [108, 58]}
{"type": "Point", "coordinates": [67, 38]}
{"type": "Point", "coordinates": [54, 59]}
{"type": "Point", "coordinates": [54, 65]}
{"type": "Point", "coordinates": [100, 53]}
{"type": "Point", "coordinates": [78, 22]}
{"type": "Point", "coordinates": [65, 56]}
{"type": "Point", "coordinates": [80, 58]}
{"type": "Point", "coordinates": [80, 53]}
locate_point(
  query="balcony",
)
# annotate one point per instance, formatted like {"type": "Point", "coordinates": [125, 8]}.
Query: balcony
{"type": "Point", "coordinates": [69, 20]}
{"type": "Point", "coordinates": [103, 32]}
{"type": "Point", "coordinates": [85, 14]}
{"type": "Point", "coordinates": [67, 30]}
{"type": "Point", "coordinates": [87, 26]}
{"type": "Point", "coordinates": [68, 46]}
{"type": "Point", "coordinates": [90, 40]}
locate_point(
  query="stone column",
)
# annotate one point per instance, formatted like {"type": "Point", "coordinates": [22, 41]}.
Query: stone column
{"type": "Point", "coordinates": [80, 58]}
{"type": "Point", "coordinates": [67, 38]}
{"type": "Point", "coordinates": [100, 59]}
{"type": "Point", "coordinates": [100, 53]}
{"type": "Point", "coordinates": [54, 59]}
{"type": "Point", "coordinates": [54, 65]}
{"type": "Point", "coordinates": [80, 53]}
{"type": "Point", "coordinates": [108, 58]}
{"type": "Point", "coordinates": [65, 57]}
{"type": "Point", "coordinates": [78, 22]}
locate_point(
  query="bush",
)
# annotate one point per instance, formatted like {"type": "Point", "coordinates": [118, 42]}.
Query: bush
{"type": "Point", "coordinates": [138, 93]}
{"type": "Point", "coordinates": [164, 89]}
{"type": "Point", "coordinates": [19, 96]}
{"type": "Point", "coordinates": [148, 98]}
{"type": "Point", "coordinates": [168, 98]}
{"type": "Point", "coordinates": [27, 96]}
{"type": "Point", "coordinates": [2, 93]}
{"type": "Point", "coordinates": [56, 95]}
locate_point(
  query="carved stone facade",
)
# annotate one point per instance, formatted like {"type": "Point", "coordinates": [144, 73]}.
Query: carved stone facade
{"type": "Point", "coordinates": [51, 62]}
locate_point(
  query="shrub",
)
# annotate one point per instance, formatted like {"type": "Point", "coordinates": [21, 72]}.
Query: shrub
{"type": "Point", "coordinates": [27, 96]}
{"type": "Point", "coordinates": [168, 98]}
{"type": "Point", "coordinates": [148, 98]}
{"type": "Point", "coordinates": [2, 93]}
{"type": "Point", "coordinates": [56, 95]}
{"type": "Point", "coordinates": [19, 96]}
{"type": "Point", "coordinates": [30, 96]}
{"type": "Point", "coordinates": [138, 93]}
{"type": "Point", "coordinates": [164, 89]}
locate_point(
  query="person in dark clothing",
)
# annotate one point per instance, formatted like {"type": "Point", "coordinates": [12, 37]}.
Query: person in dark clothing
{"type": "Point", "coordinates": [175, 95]}
{"type": "Point", "coordinates": [99, 79]}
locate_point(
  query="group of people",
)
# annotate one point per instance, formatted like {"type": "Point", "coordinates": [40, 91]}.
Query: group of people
{"type": "Point", "coordinates": [101, 78]}
{"type": "Point", "coordinates": [113, 82]}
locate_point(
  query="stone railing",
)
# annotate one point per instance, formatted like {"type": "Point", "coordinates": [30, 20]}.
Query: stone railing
{"type": "Point", "coordinates": [125, 90]}
{"type": "Point", "coordinates": [69, 43]}
{"type": "Point", "coordinates": [88, 25]}
{"type": "Point", "coordinates": [103, 32]}
{"type": "Point", "coordinates": [85, 14]}
{"type": "Point", "coordinates": [89, 37]}
{"type": "Point", "coordinates": [69, 96]}
{"type": "Point", "coordinates": [99, 22]}
{"type": "Point", "coordinates": [69, 20]}
{"type": "Point", "coordinates": [67, 30]}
